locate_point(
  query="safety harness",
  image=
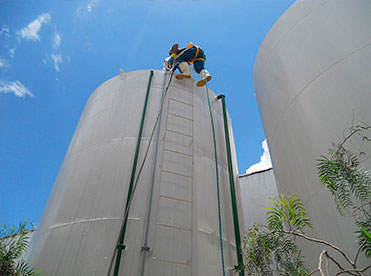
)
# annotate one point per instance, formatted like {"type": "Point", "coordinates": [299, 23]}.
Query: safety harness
{"type": "Point", "coordinates": [190, 44]}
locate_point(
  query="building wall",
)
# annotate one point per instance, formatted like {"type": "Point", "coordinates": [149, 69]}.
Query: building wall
{"type": "Point", "coordinates": [79, 228]}
{"type": "Point", "coordinates": [256, 191]}
{"type": "Point", "coordinates": [312, 82]}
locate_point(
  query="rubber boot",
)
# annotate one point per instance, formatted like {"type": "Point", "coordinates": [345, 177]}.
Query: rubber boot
{"type": "Point", "coordinates": [185, 71]}
{"type": "Point", "coordinates": [205, 77]}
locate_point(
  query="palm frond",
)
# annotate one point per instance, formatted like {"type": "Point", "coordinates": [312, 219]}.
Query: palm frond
{"type": "Point", "coordinates": [24, 269]}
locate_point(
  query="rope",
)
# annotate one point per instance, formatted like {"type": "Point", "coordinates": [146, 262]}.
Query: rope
{"type": "Point", "coordinates": [141, 168]}
{"type": "Point", "coordinates": [145, 247]}
{"type": "Point", "coordinates": [217, 176]}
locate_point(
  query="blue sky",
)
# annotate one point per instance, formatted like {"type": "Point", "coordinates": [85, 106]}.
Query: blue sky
{"type": "Point", "coordinates": [53, 54]}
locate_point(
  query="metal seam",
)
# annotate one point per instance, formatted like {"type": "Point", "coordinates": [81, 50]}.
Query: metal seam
{"type": "Point", "coordinates": [313, 80]}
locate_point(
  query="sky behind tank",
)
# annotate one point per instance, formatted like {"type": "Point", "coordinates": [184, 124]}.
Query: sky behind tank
{"type": "Point", "coordinates": [54, 54]}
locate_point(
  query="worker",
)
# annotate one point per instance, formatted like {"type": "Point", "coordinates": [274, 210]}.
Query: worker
{"type": "Point", "coordinates": [192, 54]}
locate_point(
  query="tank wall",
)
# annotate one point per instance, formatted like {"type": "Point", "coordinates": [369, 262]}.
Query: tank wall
{"type": "Point", "coordinates": [312, 82]}
{"type": "Point", "coordinates": [81, 221]}
{"type": "Point", "coordinates": [257, 189]}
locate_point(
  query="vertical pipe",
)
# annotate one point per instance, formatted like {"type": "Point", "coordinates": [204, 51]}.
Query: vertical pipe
{"type": "Point", "coordinates": [145, 245]}
{"type": "Point", "coordinates": [217, 180]}
{"type": "Point", "coordinates": [240, 266]}
{"type": "Point", "coordinates": [120, 244]}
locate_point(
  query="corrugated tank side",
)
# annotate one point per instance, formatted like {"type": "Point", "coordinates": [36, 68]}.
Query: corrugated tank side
{"type": "Point", "coordinates": [81, 222]}
{"type": "Point", "coordinates": [312, 82]}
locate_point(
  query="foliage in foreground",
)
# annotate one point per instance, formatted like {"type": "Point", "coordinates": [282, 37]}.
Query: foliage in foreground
{"type": "Point", "coordinates": [270, 250]}
{"type": "Point", "coordinates": [13, 244]}
{"type": "Point", "coordinates": [350, 184]}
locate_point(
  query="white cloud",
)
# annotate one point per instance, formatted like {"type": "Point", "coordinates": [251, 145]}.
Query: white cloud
{"type": "Point", "coordinates": [91, 5]}
{"type": "Point", "coordinates": [15, 87]}
{"type": "Point", "coordinates": [4, 30]}
{"type": "Point", "coordinates": [3, 63]}
{"type": "Point", "coordinates": [12, 52]}
{"type": "Point", "coordinates": [57, 60]}
{"type": "Point", "coordinates": [57, 40]}
{"type": "Point", "coordinates": [31, 31]}
{"type": "Point", "coordinates": [265, 160]}
{"type": "Point", "coordinates": [86, 9]}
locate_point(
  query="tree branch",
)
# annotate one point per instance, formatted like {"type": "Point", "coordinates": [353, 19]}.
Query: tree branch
{"type": "Point", "coordinates": [335, 262]}
{"type": "Point", "coordinates": [320, 241]}
{"type": "Point", "coordinates": [366, 268]}
{"type": "Point", "coordinates": [320, 262]}
{"type": "Point", "coordinates": [356, 129]}
{"type": "Point", "coordinates": [354, 270]}
{"type": "Point", "coordinates": [314, 271]}
{"type": "Point", "coordinates": [324, 252]}
{"type": "Point", "coordinates": [358, 251]}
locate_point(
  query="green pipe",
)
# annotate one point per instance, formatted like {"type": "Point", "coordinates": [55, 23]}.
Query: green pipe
{"type": "Point", "coordinates": [217, 181]}
{"type": "Point", "coordinates": [120, 245]}
{"type": "Point", "coordinates": [240, 267]}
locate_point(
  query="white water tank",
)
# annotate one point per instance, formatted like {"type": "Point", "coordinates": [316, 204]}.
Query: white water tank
{"type": "Point", "coordinates": [312, 82]}
{"type": "Point", "coordinates": [79, 228]}
{"type": "Point", "coordinates": [257, 190]}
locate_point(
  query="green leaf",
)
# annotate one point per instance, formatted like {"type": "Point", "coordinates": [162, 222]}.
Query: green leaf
{"type": "Point", "coordinates": [366, 234]}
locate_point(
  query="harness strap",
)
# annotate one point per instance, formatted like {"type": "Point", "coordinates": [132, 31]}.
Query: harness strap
{"type": "Point", "coordinates": [195, 57]}
{"type": "Point", "coordinates": [175, 56]}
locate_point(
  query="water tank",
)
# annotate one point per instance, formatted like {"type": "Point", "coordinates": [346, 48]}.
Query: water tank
{"type": "Point", "coordinates": [312, 82]}
{"type": "Point", "coordinates": [257, 190]}
{"type": "Point", "coordinates": [79, 228]}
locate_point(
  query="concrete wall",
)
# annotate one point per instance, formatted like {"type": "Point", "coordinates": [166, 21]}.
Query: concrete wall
{"type": "Point", "coordinates": [256, 191]}
{"type": "Point", "coordinates": [312, 82]}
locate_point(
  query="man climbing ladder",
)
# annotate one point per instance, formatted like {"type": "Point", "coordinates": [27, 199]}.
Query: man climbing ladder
{"type": "Point", "coordinates": [192, 54]}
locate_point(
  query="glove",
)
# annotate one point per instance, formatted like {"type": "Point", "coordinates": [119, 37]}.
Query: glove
{"type": "Point", "coordinates": [167, 64]}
